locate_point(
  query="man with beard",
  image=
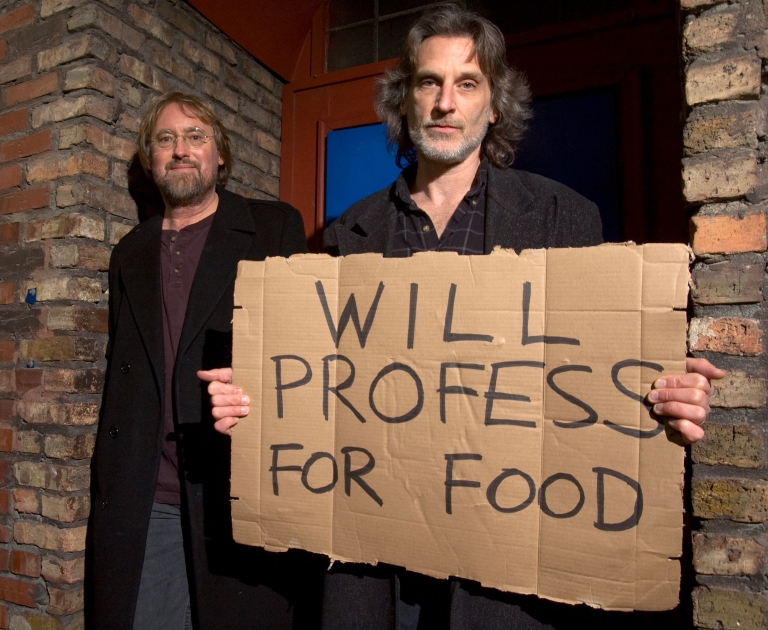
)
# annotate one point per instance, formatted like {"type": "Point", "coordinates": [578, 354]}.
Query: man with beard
{"type": "Point", "coordinates": [456, 110]}
{"type": "Point", "coordinates": [160, 549]}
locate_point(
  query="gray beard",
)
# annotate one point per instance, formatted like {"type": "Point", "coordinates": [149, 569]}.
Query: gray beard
{"type": "Point", "coordinates": [185, 190]}
{"type": "Point", "coordinates": [421, 140]}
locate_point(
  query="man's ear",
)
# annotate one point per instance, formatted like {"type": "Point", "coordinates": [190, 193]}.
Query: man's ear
{"type": "Point", "coordinates": [493, 117]}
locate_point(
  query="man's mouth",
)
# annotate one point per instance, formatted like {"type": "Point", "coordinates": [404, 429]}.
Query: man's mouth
{"type": "Point", "coordinates": [182, 166]}
{"type": "Point", "coordinates": [441, 127]}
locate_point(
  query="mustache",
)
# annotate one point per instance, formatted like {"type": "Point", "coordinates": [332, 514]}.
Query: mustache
{"type": "Point", "coordinates": [442, 122]}
{"type": "Point", "coordinates": [182, 162]}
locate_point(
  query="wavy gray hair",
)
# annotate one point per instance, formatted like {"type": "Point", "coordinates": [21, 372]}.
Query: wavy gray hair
{"type": "Point", "coordinates": [510, 94]}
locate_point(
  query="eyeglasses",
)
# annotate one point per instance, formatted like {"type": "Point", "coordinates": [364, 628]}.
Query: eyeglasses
{"type": "Point", "coordinates": [193, 138]}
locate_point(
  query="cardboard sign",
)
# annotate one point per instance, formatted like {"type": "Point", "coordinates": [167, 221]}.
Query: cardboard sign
{"type": "Point", "coordinates": [471, 416]}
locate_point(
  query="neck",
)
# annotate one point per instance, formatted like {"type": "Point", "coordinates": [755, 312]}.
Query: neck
{"type": "Point", "coordinates": [436, 180]}
{"type": "Point", "coordinates": [179, 217]}
{"type": "Point", "coordinates": [439, 188]}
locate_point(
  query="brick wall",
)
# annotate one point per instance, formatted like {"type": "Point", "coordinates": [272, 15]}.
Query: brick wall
{"type": "Point", "coordinates": [725, 178]}
{"type": "Point", "coordinates": [75, 78]}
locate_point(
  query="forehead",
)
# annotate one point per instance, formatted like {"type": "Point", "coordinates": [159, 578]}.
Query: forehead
{"type": "Point", "coordinates": [442, 52]}
{"type": "Point", "coordinates": [174, 116]}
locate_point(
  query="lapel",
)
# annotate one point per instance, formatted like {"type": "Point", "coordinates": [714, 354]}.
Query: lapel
{"type": "Point", "coordinates": [507, 201]}
{"type": "Point", "coordinates": [373, 230]}
{"type": "Point", "coordinates": [229, 241]}
{"type": "Point", "coordinates": [141, 284]}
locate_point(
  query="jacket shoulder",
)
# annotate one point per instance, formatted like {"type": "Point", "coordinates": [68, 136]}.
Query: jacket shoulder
{"type": "Point", "coordinates": [371, 204]}
{"type": "Point", "coordinates": [543, 187]}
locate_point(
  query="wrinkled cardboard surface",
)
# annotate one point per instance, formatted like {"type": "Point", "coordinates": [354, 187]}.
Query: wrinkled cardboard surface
{"type": "Point", "coordinates": [555, 416]}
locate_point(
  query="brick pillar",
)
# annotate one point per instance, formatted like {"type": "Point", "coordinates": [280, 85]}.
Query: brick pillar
{"type": "Point", "coordinates": [75, 78]}
{"type": "Point", "coordinates": [725, 178]}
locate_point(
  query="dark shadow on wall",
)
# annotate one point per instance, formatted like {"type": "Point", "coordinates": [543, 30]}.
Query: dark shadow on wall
{"type": "Point", "coordinates": [143, 191]}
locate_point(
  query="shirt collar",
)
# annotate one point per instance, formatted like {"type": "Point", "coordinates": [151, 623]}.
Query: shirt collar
{"type": "Point", "coordinates": [408, 175]}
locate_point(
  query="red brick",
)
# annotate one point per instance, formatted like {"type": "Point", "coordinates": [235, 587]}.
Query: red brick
{"type": "Point", "coordinates": [31, 89]}
{"type": "Point", "coordinates": [5, 501]}
{"type": "Point", "coordinates": [9, 233]}
{"type": "Point", "coordinates": [6, 445]}
{"type": "Point", "coordinates": [27, 379]}
{"type": "Point", "coordinates": [25, 200]}
{"type": "Point", "coordinates": [729, 335]}
{"type": "Point", "coordinates": [7, 409]}
{"type": "Point", "coordinates": [5, 475]}
{"type": "Point", "coordinates": [10, 176]}
{"type": "Point", "coordinates": [4, 616]}
{"type": "Point", "coordinates": [23, 147]}
{"type": "Point", "coordinates": [2, 54]}
{"type": "Point", "coordinates": [18, 18]}
{"type": "Point", "coordinates": [25, 563]}
{"type": "Point", "coordinates": [724, 234]}
{"type": "Point", "coordinates": [13, 121]}
{"type": "Point", "coordinates": [17, 591]}
{"type": "Point", "coordinates": [7, 348]}
{"type": "Point", "coordinates": [25, 501]}
{"type": "Point", "coordinates": [6, 534]}
{"type": "Point", "coordinates": [5, 559]}
{"type": "Point", "coordinates": [7, 292]}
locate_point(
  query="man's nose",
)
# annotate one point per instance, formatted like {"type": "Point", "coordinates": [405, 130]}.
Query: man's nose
{"type": "Point", "coordinates": [180, 148]}
{"type": "Point", "coordinates": [445, 101]}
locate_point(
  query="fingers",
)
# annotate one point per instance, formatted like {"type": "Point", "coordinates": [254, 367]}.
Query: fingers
{"type": "Point", "coordinates": [219, 374]}
{"type": "Point", "coordinates": [689, 431]}
{"type": "Point", "coordinates": [225, 425]}
{"type": "Point", "coordinates": [693, 380]}
{"type": "Point", "coordinates": [703, 367]}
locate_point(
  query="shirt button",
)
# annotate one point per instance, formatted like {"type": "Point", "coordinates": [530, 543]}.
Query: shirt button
{"type": "Point", "coordinates": [178, 253]}
{"type": "Point", "coordinates": [474, 203]}
{"type": "Point", "coordinates": [173, 239]}
{"type": "Point", "coordinates": [113, 432]}
{"type": "Point", "coordinates": [125, 367]}
{"type": "Point", "coordinates": [425, 228]}
{"type": "Point", "coordinates": [175, 271]}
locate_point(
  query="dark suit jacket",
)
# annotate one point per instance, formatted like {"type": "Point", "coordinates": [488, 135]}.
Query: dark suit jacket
{"type": "Point", "coordinates": [232, 586]}
{"type": "Point", "coordinates": [523, 211]}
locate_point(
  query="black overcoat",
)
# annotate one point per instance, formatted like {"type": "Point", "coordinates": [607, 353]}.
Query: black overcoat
{"type": "Point", "coordinates": [232, 586]}
{"type": "Point", "coordinates": [523, 211]}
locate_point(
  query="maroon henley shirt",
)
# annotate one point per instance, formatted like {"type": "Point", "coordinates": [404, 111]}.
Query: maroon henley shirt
{"type": "Point", "coordinates": [179, 255]}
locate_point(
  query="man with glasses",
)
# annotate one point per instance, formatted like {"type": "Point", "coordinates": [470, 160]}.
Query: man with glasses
{"type": "Point", "coordinates": [160, 545]}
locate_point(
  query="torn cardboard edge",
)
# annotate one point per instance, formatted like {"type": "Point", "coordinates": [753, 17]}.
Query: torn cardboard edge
{"type": "Point", "coordinates": [481, 385]}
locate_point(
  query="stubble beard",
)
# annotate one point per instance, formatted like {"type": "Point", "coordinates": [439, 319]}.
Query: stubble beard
{"type": "Point", "coordinates": [427, 142]}
{"type": "Point", "coordinates": [184, 189]}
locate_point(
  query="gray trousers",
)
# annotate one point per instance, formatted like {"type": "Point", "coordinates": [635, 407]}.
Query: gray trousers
{"type": "Point", "coordinates": [163, 602]}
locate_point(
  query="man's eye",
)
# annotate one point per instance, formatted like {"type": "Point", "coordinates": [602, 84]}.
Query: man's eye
{"type": "Point", "coordinates": [195, 137]}
{"type": "Point", "coordinates": [467, 85]}
{"type": "Point", "coordinates": [428, 83]}
{"type": "Point", "coordinates": [164, 140]}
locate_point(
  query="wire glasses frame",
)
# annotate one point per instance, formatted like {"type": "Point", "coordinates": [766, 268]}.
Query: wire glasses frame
{"type": "Point", "coordinates": [193, 138]}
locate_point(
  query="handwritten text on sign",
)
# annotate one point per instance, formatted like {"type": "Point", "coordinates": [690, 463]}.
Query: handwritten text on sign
{"type": "Point", "coordinates": [481, 417]}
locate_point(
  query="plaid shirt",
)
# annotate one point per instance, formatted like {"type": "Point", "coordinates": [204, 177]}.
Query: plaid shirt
{"type": "Point", "coordinates": [465, 232]}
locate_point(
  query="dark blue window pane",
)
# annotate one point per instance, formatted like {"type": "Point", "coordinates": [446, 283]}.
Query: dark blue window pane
{"type": "Point", "coordinates": [357, 163]}
{"type": "Point", "coordinates": [574, 139]}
